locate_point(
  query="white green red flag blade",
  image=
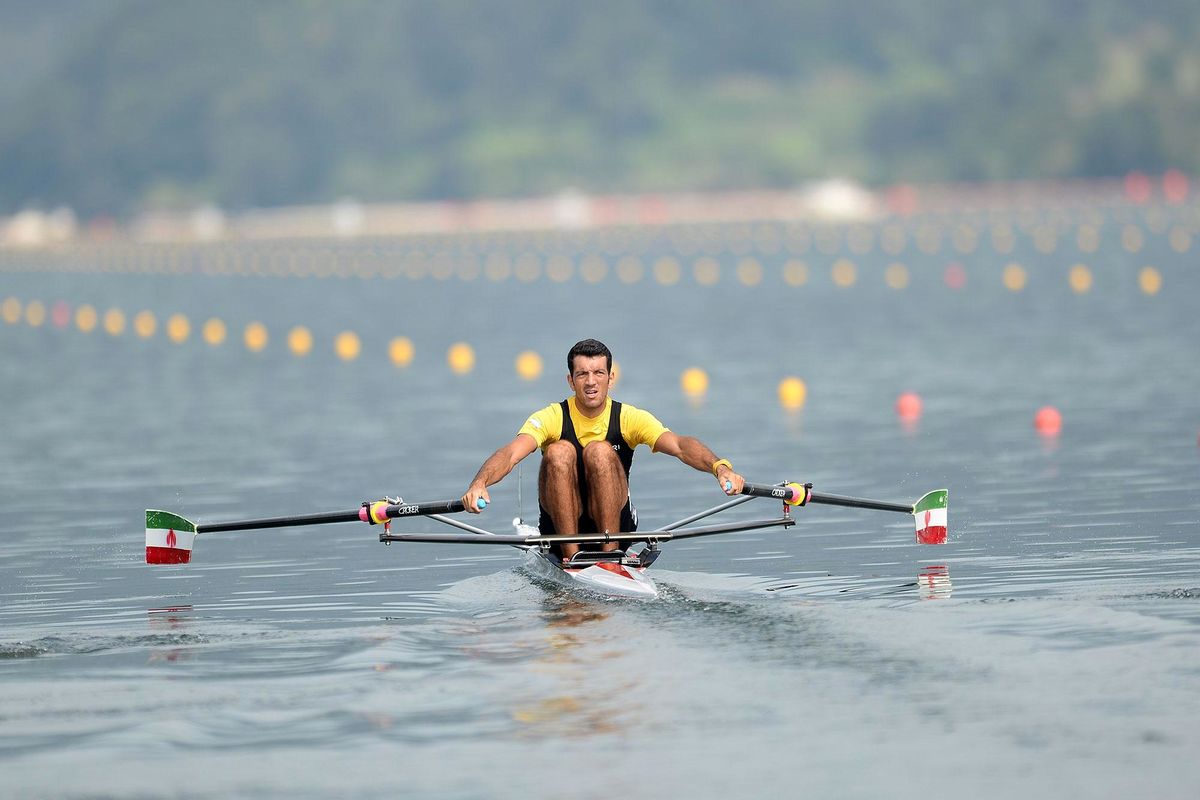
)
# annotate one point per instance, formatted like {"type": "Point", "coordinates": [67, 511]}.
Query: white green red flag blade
{"type": "Point", "coordinates": [931, 514]}
{"type": "Point", "coordinates": [169, 538]}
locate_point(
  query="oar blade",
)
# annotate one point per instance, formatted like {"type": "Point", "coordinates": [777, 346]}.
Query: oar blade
{"type": "Point", "coordinates": [169, 538]}
{"type": "Point", "coordinates": [930, 514]}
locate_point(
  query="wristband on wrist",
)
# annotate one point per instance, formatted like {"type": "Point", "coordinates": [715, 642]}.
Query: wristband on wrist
{"type": "Point", "coordinates": [718, 463]}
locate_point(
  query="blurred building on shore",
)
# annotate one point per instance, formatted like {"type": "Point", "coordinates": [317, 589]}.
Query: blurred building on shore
{"type": "Point", "coordinates": [824, 203]}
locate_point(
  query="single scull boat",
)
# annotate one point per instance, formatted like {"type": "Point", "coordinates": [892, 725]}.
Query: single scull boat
{"type": "Point", "coordinates": [620, 571]}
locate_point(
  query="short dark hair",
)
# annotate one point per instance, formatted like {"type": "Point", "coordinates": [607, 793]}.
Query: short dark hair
{"type": "Point", "coordinates": [589, 348]}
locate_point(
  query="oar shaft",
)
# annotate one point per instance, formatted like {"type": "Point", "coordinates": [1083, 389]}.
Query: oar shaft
{"type": "Point", "coordinates": [278, 522]}
{"type": "Point", "coordinates": [858, 502]}
{"type": "Point", "coordinates": [362, 514]}
{"type": "Point", "coordinates": [786, 493]}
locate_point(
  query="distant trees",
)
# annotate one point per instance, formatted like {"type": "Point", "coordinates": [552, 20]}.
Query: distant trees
{"type": "Point", "coordinates": [175, 104]}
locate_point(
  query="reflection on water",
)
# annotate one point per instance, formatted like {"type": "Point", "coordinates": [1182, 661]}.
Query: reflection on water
{"type": "Point", "coordinates": [582, 662]}
{"type": "Point", "coordinates": [933, 582]}
{"type": "Point", "coordinates": [170, 620]}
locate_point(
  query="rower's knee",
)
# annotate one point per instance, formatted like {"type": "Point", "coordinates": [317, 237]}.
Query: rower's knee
{"type": "Point", "coordinates": [600, 455]}
{"type": "Point", "coordinates": [559, 457]}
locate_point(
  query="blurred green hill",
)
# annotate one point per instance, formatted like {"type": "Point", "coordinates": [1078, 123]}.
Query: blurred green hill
{"type": "Point", "coordinates": [116, 107]}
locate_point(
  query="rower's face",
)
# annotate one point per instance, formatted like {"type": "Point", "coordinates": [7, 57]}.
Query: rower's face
{"type": "Point", "coordinates": [590, 379]}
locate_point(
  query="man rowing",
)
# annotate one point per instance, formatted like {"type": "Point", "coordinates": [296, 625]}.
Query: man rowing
{"type": "Point", "coordinates": [587, 443]}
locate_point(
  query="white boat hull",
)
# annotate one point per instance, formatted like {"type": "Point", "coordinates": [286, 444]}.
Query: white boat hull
{"type": "Point", "coordinates": [607, 578]}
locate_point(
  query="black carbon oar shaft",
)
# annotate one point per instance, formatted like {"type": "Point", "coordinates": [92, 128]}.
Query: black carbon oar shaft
{"type": "Point", "coordinates": [858, 502]}
{"type": "Point", "coordinates": [785, 492]}
{"type": "Point", "coordinates": [392, 511]}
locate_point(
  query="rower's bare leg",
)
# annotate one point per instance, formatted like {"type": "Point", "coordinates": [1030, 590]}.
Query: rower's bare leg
{"type": "Point", "coordinates": [558, 490]}
{"type": "Point", "coordinates": [608, 488]}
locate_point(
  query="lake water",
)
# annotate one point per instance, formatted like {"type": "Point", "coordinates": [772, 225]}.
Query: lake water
{"type": "Point", "coordinates": [1050, 647]}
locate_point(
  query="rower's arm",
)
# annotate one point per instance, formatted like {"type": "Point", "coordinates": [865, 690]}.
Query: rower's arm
{"type": "Point", "coordinates": [498, 464]}
{"type": "Point", "coordinates": [697, 455]}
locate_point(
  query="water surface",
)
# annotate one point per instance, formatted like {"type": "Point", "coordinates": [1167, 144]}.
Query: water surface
{"type": "Point", "coordinates": [1047, 647]}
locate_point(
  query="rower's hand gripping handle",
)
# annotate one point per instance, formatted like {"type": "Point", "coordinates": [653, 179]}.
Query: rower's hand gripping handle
{"type": "Point", "coordinates": [792, 494]}
{"type": "Point", "coordinates": [382, 512]}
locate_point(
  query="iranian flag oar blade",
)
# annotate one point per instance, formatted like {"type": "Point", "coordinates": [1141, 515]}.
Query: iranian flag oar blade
{"type": "Point", "coordinates": [930, 514]}
{"type": "Point", "coordinates": [169, 538]}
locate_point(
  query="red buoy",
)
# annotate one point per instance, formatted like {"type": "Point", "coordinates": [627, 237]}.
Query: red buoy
{"type": "Point", "coordinates": [60, 314]}
{"type": "Point", "coordinates": [955, 275]}
{"type": "Point", "coordinates": [1048, 421]}
{"type": "Point", "coordinates": [908, 406]}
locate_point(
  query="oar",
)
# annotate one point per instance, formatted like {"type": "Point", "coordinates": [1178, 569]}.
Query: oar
{"type": "Point", "coordinates": [929, 513]}
{"type": "Point", "coordinates": [170, 537]}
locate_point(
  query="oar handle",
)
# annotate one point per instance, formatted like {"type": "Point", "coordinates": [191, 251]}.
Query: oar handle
{"type": "Point", "coordinates": [794, 494]}
{"type": "Point", "coordinates": [382, 510]}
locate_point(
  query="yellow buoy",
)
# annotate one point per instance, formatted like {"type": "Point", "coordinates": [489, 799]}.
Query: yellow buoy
{"type": "Point", "coordinates": [255, 337]}
{"type": "Point", "coordinates": [213, 331]}
{"type": "Point", "coordinates": [667, 271]}
{"type": "Point", "coordinates": [706, 271]}
{"type": "Point", "coordinates": [1150, 280]}
{"type": "Point", "coordinates": [560, 268]}
{"type": "Point", "coordinates": [178, 328]}
{"type": "Point", "coordinates": [1014, 277]}
{"type": "Point", "coordinates": [1080, 279]}
{"type": "Point", "coordinates": [750, 271]}
{"type": "Point", "coordinates": [35, 313]}
{"type": "Point", "coordinates": [300, 340]}
{"type": "Point", "coordinates": [1180, 239]}
{"type": "Point", "coordinates": [893, 240]}
{"type": "Point", "coordinates": [347, 345]}
{"type": "Point", "coordinates": [844, 272]}
{"type": "Point", "coordinates": [694, 382]}
{"type": "Point", "coordinates": [528, 267]}
{"type": "Point", "coordinates": [497, 267]}
{"type": "Point", "coordinates": [400, 351]}
{"type": "Point", "coordinates": [114, 322]}
{"type": "Point", "coordinates": [630, 269]}
{"type": "Point", "coordinates": [529, 365]}
{"type": "Point", "coordinates": [461, 358]}
{"type": "Point", "coordinates": [896, 275]}
{"type": "Point", "coordinates": [593, 268]}
{"type": "Point", "coordinates": [1045, 240]}
{"type": "Point", "coordinates": [1087, 238]}
{"type": "Point", "coordinates": [966, 239]}
{"type": "Point", "coordinates": [1003, 239]}
{"type": "Point", "coordinates": [792, 393]}
{"type": "Point", "coordinates": [86, 318]}
{"type": "Point", "coordinates": [467, 268]}
{"type": "Point", "coordinates": [795, 272]}
{"type": "Point", "coordinates": [11, 309]}
{"type": "Point", "coordinates": [1132, 238]}
{"type": "Point", "coordinates": [145, 324]}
